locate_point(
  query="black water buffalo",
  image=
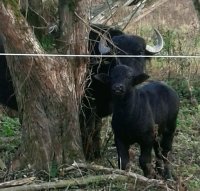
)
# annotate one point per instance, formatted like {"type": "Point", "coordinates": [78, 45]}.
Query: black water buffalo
{"type": "Point", "coordinates": [97, 102]}
{"type": "Point", "coordinates": [145, 114]}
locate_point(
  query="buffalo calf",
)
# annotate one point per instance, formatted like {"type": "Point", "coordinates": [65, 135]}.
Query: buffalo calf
{"type": "Point", "coordinates": [137, 110]}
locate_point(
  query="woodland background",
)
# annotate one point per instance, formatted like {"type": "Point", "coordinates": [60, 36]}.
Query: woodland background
{"type": "Point", "coordinates": [178, 22]}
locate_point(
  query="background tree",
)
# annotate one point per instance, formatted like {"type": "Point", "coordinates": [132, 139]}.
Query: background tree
{"type": "Point", "coordinates": [48, 89]}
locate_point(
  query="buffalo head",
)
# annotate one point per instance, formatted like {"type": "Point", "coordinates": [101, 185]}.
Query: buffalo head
{"type": "Point", "coordinates": [121, 79]}
{"type": "Point", "coordinates": [130, 45]}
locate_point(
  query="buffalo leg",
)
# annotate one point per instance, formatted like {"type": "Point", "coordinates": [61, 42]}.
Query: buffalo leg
{"type": "Point", "coordinates": [145, 160]}
{"type": "Point", "coordinates": [166, 145]}
{"type": "Point", "coordinates": [97, 138]}
{"type": "Point", "coordinates": [123, 154]}
{"type": "Point", "coordinates": [159, 158]}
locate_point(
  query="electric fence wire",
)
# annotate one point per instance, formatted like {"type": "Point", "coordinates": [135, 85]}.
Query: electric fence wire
{"type": "Point", "coordinates": [101, 56]}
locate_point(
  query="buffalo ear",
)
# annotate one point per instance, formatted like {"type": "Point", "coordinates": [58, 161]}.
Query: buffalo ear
{"type": "Point", "coordinates": [104, 78]}
{"type": "Point", "coordinates": [140, 78]}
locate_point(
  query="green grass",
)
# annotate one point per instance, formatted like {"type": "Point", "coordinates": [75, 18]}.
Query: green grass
{"type": "Point", "coordinates": [186, 146]}
{"type": "Point", "coordinates": [47, 42]}
{"type": "Point", "coordinates": [9, 137]}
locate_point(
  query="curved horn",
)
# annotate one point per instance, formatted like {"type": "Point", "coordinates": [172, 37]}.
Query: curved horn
{"type": "Point", "coordinates": [158, 47]}
{"type": "Point", "coordinates": [103, 46]}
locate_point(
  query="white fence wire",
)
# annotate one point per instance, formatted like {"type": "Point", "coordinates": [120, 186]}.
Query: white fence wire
{"type": "Point", "coordinates": [101, 56]}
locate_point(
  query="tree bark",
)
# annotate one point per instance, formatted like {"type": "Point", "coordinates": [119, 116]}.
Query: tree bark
{"type": "Point", "coordinates": [48, 91]}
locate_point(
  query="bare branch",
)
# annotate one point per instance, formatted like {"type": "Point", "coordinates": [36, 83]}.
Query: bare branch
{"type": "Point", "coordinates": [105, 13]}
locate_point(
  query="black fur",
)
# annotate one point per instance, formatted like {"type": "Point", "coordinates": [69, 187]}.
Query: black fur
{"type": "Point", "coordinates": [137, 110]}
{"type": "Point", "coordinates": [7, 94]}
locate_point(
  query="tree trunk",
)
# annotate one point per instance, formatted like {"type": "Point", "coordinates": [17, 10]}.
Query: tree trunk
{"type": "Point", "coordinates": [48, 91]}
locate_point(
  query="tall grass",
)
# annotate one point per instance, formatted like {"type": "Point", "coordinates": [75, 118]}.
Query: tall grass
{"type": "Point", "coordinates": [182, 73]}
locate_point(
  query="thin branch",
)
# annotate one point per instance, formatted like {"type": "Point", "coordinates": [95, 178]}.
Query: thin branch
{"type": "Point", "coordinates": [134, 12]}
{"type": "Point", "coordinates": [84, 181]}
{"type": "Point", "coordinates": [19, 182]}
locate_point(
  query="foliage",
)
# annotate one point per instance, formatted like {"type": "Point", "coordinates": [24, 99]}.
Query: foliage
{"type": "Point", "coordinates": [14, 3]}
{"type": "Point", "coordinates": [47, 42]}
{"type": "Point", "coordinates": [9, 126]}
{"type": "Point", "coordinates": [186, 148]}
{"type": "Point", "coordinates": [181, 73]}
{"type": "Point", "coordinates": [9, 138]}
{"type": "Point", "coordinates": [54, 169]}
